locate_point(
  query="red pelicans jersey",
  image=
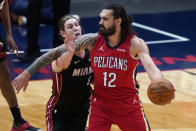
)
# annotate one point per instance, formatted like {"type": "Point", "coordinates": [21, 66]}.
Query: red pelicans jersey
{"type": "Point", "coordinates": [114, 69]}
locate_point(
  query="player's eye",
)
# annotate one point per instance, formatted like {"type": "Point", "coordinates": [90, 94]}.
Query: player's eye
{"type": "Point", "coordinates": [70, 26]}
{"type": "Point", "coordinates": [76, 23]}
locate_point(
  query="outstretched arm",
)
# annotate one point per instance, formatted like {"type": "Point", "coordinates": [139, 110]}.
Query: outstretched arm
{"type": "Point", "coordinates": [86, 41]}
{"type": "Point", "coordinates": [46, 59]}
{"type": "Point", "coordinates": [22, 80]}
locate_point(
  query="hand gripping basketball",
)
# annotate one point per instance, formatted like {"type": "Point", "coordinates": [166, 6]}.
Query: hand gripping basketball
{"type": "Point", "coordinates": [161, 92]}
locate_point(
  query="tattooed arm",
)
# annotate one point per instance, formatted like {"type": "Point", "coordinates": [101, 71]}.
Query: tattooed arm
{"type": "Point", "coordinates": [46, 59]}
{"type": "Point", "coordinates": [86, 41]}
{"type": "Point", "coordinates": [22, 80]}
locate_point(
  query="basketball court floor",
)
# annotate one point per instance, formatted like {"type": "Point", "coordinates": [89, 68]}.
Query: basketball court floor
{"type": "Point", "coordinates": [172, 43]}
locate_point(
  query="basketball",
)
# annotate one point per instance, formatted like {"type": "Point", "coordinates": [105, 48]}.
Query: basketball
{"type": "Point", "coordinates": [161, 92]}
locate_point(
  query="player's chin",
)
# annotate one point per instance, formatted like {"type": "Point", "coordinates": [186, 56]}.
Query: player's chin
{"type": "Point", "coordinates": [101, 30]}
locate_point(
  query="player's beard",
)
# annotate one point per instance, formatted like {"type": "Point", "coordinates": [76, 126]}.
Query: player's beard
{"type": "Point", "coordinates": [107, 32]}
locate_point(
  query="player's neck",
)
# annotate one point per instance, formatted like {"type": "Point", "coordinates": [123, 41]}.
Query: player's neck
{"type": "Point", "coordinates": [114, 39]}
{"type": "Point", "coordinates": [80, 54]}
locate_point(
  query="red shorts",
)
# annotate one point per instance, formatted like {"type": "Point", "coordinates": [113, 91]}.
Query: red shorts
{"type": "Point", "coordinates": [127, 114]}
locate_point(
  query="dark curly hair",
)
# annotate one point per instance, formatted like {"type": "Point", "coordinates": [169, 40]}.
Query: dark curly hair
{"type": "Point", "coordinates": [126, 25]}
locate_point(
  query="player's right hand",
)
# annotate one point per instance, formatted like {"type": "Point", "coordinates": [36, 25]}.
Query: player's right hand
{"type": "Point", "coordinates": [21, 81]}
{"type": "Point", "coordinates": [69, 41]}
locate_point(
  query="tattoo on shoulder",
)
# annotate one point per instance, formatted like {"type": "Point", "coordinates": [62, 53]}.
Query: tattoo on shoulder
{"type": "Point", "coordinates": [86, 41]}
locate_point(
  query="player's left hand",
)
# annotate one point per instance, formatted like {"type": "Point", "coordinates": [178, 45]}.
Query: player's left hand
{"type": "Point", "coordinates": [21, 81]}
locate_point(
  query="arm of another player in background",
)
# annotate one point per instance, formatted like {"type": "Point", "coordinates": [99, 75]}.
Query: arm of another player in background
{"type": "Point", "coordinates": [22, 80]}
{"type": "Point", "coordinates": [140, 48]}
{"type": "Point", "coordinates": [5, 17]}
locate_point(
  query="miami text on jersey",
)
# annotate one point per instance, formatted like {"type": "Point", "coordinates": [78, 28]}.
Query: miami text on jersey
{"type": "Point", "coordinates": [82, 71]}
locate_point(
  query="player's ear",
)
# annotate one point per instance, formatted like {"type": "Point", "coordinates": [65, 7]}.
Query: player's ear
{"type": "Point", "coordinates": [63, 34]}
{"type": "Point", "coordinates": [119, 20]}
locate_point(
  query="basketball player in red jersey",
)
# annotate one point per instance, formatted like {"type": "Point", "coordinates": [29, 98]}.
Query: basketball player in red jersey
{"type": "Point", "coordinates": [115, 53]}
{"type": "Point", "coordinates": [114, 58]}
{"type": "Point", "coordinates": [5, 83]}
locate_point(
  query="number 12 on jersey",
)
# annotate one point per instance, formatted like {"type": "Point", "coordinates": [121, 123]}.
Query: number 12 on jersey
{"type": "Point", "coordinates": [111, 76]}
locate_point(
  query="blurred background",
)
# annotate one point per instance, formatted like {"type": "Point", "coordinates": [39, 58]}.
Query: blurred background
{"type": "Point", "coordinates": [91, 8]}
